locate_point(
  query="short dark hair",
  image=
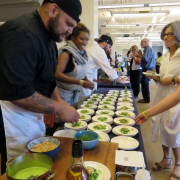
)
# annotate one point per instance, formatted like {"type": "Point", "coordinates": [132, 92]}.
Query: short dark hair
{"type": "Point", "coordinates": [77, 30]}
{"type": "Point", "coordinates": [159, 54]}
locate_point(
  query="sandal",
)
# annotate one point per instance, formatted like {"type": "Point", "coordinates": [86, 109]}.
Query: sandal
{"type": "Point", "coordinates": [159, 167]}
{"type": "Point", "coordinates": [174, 175]}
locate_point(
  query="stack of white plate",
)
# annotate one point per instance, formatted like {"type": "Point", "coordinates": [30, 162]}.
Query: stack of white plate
{"type": "Point", "coordinates": [125, 114]}
{"type": "Point", "coordinates": [125, 130]}
{"type": "Point", "coordinates": [90, 102]}
{"type": "Point", "coordinates": [91, 106]}
{"type": "Point", "coordinates": [124, 104]}
{"type": "Point", "coordinates": [102, 118]}
{"type": "Point", "coordinates": [126, 108]}
{"type": "Point", "coordinates": [125, 143]}
{"type": "Point", "coordinates": [124, 121]}
{"type": "Point", "coordinates": [125, 100]}
{"type": "Point", "coordinates": [103, 136]}
{"type": "Point", "coordinates": [100, 126]}
{"type": "Point", "coordinates": [85, 117]}
{"type": "Point", "coordinates": [65, 133]}
{"type": "Point", "coordinates": [106, 107]}
{"type": "Point", "coordinates": [81, 125]}
{"type": "Point", "coordinates": [85, 111]}
{"type": "Point", "coordinates": [105, 112]}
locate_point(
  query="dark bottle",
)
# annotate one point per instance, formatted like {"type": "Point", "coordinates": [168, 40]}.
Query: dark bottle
{"type": "Point", "coordinates": [77, 170]}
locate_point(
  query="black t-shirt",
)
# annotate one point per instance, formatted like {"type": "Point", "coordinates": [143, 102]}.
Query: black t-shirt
{"type": "Point", "coordinates": [28, 58]}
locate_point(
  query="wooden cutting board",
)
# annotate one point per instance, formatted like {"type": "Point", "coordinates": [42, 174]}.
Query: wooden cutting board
{"type": "Point", "coordinates": [104, 153]}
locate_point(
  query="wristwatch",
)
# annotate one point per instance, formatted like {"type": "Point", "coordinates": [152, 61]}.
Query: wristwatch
{"type": "Point", "coordinates": [173, 81]}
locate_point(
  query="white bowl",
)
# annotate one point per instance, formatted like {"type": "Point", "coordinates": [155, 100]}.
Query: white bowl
{"type": "Point", "coordinates": [85, 111]}
{"type": "Point", "coordinates": [124, 121]}
{"type": "Point", "coordinates": [105, 112]}
{"type": "Point", "coordinates": [85, 117]}
{"type": "Point", "coordinates": [125, 100]}
{"type": "Point", "coordinates": [90, 102]}
{"type": "Point", "coordinates": [125, 114]}
{"type": "Point", "coordinates": [106, 107]}
{"type": "Point", "coordinates": [102, 118]}
{"type": "Point", "coordinates": [102, 127]}
{"type": "Point", "coordinates": [125, 108]}
{"type": "Point", "coordinates": [91, 106]}
{"type": "Point", "coordinates": [107, 102]}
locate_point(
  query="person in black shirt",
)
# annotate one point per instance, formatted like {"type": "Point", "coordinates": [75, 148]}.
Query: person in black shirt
{"type": "Point", "coordinates": [28, 60]}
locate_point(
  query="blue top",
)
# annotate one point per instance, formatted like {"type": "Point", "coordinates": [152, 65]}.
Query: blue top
{"type": "Point", "coordinates": [148, 59]}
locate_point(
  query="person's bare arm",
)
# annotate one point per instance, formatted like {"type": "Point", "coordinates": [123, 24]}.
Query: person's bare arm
{"type": "Point", "coordinates": [41, 104]}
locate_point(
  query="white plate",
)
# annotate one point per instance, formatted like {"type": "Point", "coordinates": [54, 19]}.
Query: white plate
{"type": "Point", "coordinates": [106, 102]}
{"type": "Point", "coordinates": [124, 104]}
{"type": "Point", "coordinates": [65, 133]}
{"type": "Point", "coordinates": [108, 99]}
{"type": "Point", "coordinates": [130, 122]}
{"type": "Point", "coordinates": [97, 94]}
{"type": "Point", "coordinates": [124, 91]}
{"type": "Point", "coordinates": [149, 74]}
{"type": "Point", "coordinates": [89, 111]}
{"type": "Point", "coordinates": [103, 136]}
{"type": "Point", "coordinates": [91, 106]}
{"type": "Point", "coordinates": [107, 127]}
{"type": "Point", "coordinates": [86, 117]}
{"type": "Point", "coordinates": [125, 143]}
{"type": "Point", "coordinates": [94, 99]}
{"type": "Point", "coordinates": [106, 107]}
{"type": "Point", "coordinates": [103, 112]}
{"type": "Point", "coordinates": [105, 173]}
{"type": "Point", "coordinates": [132, 131]}
{"type": "Point", "coordinates": [126, 108]}
{"type": "Point", "coordinates": [129, 114]}
{"type": "Point", "coordinates": [83, 125]}
{"type": "Point", "coordinates": [88, 102]}
{"type": "Point", "coordinates": [112, 95]}
{"type": "Point", "coordinates": [98, 118]}
{"type": "Point", "coordinates": [125, 100]}
{"type": "Point", "coordinates": [126, 95]}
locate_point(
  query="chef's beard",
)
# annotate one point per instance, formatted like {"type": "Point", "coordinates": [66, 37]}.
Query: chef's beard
{"type": "Point", "coordinates": [52, 29]}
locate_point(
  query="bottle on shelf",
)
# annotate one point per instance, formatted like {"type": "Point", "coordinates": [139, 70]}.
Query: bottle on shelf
{"type": "Point", "coordinates": [77, 170]}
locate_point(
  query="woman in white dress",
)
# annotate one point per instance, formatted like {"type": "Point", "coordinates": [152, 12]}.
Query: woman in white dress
{"type": "Point", "coordinates": [168, 122]}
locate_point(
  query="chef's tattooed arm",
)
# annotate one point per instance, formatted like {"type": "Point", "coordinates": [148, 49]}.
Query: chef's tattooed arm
{"type": "Point", "coordinates": [41, 104]}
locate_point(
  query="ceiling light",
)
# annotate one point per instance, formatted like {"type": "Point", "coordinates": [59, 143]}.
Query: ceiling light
{"type": "Point", "coordinates": [154, 20]}
{"type": "Point", "coordinates": [163, 17]}
{"type": "Point", "coordinates": [113, 19]}
{"type": "Point", "coordinates": [121, 6]}
{"type": "Point", "coordinates": [165, 4]}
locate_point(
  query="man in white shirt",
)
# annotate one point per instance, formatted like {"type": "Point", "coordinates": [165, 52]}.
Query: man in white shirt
{"type": "Point", "coordinates": [97, 58]}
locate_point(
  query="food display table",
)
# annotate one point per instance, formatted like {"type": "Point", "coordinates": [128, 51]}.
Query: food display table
{"type": "Point", "coordinates": [104, 153]}
{"type": "Point", "coordinates": [138, 137]}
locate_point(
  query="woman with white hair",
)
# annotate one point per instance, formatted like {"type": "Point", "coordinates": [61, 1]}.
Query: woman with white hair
{"type": "Point", "coordinates": [168, 122]}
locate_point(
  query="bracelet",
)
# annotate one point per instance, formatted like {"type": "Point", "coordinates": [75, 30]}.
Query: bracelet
{"type": "Point", "coordinates": [144, 115]}
{"type": "Point", "coordinates": [81, 82]}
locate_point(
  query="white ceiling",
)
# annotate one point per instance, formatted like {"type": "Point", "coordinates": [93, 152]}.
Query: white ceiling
{"type": "Point", "coordinates": [134, 22]}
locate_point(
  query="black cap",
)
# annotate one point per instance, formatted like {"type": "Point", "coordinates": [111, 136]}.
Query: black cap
{"type": "Point", "coordinates": [72, 7]}
{"type": "Point", "coordinates": [77, 149]}
{"type": "Point", "coordinates": [104, 38]}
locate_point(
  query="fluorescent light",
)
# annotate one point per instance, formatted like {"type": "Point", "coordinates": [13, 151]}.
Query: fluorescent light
{"type": "Point", "coordinates": [163, 17]}
{"type": "Point", "coordinates": [121, 6]}
{"type": "Point", "coordinates": [165, 4]}
{"type": "Point", "coordinates": [120, 25]}
{"type": "Point", "coordinates": [113, 19]}
{"type": "Point", "coordinates": [154, 19]}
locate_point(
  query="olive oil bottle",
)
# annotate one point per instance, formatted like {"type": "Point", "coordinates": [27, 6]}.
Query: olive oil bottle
{"type": "Point", "coordinates": [77, 170]}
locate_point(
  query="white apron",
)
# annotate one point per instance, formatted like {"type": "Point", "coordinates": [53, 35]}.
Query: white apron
{"type": "Point", "coordinates": [69, 92]}
{"type": "Point", "coordinates": [21, 126]}
{"type": "Point", "coordinates": [168, 122]}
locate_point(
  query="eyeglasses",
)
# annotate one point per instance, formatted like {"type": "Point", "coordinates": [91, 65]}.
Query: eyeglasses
{"type": "Point", "coordinates": [168, 34]}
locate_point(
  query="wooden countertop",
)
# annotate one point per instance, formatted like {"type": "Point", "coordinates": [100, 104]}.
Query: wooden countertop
{"type": "Point", "coordinates": [104, 153]}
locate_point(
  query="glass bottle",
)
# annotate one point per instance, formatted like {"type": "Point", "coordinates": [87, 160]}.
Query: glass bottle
{"type": "Point", "coordinates": [77, 170]}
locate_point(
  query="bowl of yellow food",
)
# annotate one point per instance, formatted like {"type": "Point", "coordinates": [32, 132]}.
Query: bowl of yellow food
{"type": "Point", "coordinates": [44, 145]}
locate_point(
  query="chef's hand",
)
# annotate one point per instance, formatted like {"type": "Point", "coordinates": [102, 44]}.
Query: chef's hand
{"type": "Point", "coordinates": [88, 85]}
{"type": "Point", "coordinates": [68, 114]}
{"type": "Point", "coordinates": [119, 81]}
{"type": "Point", "coordinates": [140, 119]}
{"type": "Point", "coordinates": [165, 81]}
